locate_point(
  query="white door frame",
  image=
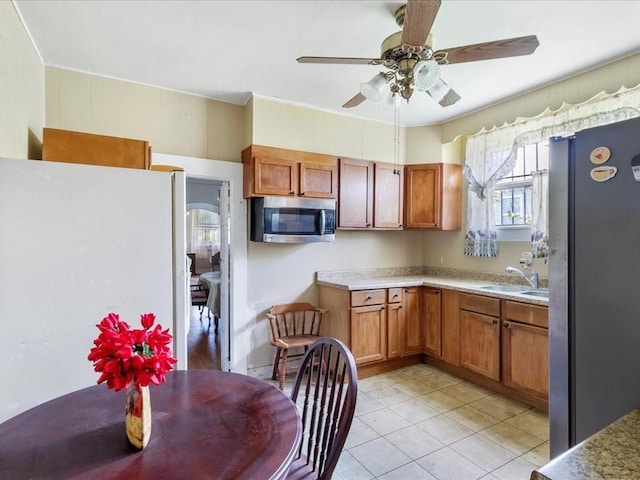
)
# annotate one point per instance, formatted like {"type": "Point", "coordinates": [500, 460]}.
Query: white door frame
{"type": "Point", "coordinates": [239, 315]}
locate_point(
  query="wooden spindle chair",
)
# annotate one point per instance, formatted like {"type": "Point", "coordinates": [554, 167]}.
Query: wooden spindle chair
{"type": "Point", "coordinates": [325, 390]}
{"type": "Point", "coordinates": [199, 297]}
{"type": "Point", "coordinates": [293, 325]}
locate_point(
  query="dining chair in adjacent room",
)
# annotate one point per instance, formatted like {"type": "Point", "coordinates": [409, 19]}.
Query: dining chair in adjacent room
{"type": "Point", "coordinates": [293, 325]}
{"type": "Point", "coordinates": [325, 389]}
{"type": "Point", "coordinates": [199, 297]}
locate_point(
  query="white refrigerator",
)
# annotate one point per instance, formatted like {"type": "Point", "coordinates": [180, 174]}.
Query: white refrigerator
{"type": "Point", "coordinates": [78, 242]}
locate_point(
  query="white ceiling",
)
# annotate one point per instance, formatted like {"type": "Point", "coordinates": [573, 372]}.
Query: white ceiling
{"type": "Point", "coordinates": [228, 50]}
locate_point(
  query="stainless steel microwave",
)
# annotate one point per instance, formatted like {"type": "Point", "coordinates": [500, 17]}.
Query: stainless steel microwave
{"type": "Point", "coordinates": [292, 220]}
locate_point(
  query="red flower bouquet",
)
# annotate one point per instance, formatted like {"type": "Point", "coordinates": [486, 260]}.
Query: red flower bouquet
{"type": "Point", "coordinates": [123, 355]}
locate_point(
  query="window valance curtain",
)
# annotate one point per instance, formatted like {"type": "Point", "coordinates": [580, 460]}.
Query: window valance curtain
{"type": "Point", "coordinates": [491, 154]}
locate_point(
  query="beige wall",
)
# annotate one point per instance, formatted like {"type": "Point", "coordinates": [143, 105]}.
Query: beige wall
{"type": "Point", "coordinates": [577, 89]}
{"type": "Point", "coordinates": [173, 123]}
{"type": "Point", "coordinates": [21, 89]}
{"type": "Point", "coordinates": [284, 125]}
{"type": "Point", "coordinates": [191, 126]}
{"type": "Point", "coordinates": [610, 78]}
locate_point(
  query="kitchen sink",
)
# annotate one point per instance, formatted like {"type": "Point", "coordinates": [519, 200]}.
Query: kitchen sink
{"type": "Point", "coordinates": [536, 293]}
{"type": "Point", "coordinates": [504, 288]}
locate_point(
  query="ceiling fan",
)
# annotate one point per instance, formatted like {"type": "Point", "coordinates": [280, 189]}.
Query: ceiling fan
{"type": "Point", "coordinates": [411, 62]}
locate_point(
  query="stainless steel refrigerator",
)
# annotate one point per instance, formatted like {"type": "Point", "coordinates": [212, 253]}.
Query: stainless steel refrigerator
{"type": "Point", "coordinates": [594, 280]}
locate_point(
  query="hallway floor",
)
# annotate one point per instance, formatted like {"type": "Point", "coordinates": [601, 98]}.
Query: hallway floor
{"type": "Point", "coordinates": [203, 345]}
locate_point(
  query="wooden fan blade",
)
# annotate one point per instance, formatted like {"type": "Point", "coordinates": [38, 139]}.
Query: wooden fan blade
{"type": "Point", "coordinates": [418, 21]}
{"type": "Point", "coordinates": [342, 60]}
{"type": "Point", "coordinates": [510, 47]}
{"type": "Point", "coordinates": [355, 101]}
{"type": "Point", "coordinates": [449, 99]}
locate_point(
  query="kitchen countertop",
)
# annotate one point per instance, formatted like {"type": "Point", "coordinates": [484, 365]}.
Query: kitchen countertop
{"type": "Point", "coordinates": [461, 280]}
{"type": "Point", "coordinates": [611, 454]}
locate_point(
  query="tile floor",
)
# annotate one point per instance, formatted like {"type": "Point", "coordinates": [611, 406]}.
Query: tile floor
{"type": "Point", "coordinates": [421, 423]}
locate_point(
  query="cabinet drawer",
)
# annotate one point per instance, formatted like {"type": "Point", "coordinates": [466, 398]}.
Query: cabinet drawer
{"type": "Point", "coordinates": [361, 298]}
{"type": "Point", "coordinates": [526, 313]}
{"type": "Point", "coordinates": [480, 304]}
{"type": "Point", "coordinates": [395, 295]}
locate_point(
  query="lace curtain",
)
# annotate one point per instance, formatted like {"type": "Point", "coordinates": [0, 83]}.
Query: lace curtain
{"type": "Point", "coordinates": [492, 154]}
{"type": "Point", "coordinates": [540, 210]}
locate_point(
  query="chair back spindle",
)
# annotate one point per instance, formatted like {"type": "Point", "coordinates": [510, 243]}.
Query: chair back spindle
{"type": "Point", "coordinates": [325, 390]}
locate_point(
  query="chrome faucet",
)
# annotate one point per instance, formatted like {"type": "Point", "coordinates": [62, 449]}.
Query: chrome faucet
{"type": "Point", "coordinates": [531, 279]}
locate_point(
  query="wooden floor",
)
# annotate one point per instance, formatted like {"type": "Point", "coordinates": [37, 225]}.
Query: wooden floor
{"type": "Point", "coordinates": [203, 344]}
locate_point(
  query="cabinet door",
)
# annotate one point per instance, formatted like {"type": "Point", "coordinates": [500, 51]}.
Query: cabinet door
{"type": "Point", "coordinates": [318, 180]}
{"type": "Point", "coordinates": [422, 196]}
{"type": "Point", "coordinates": [355, 204]}
{"type": "Point", "coordinates": [369, 333]}
{"type": "Point", "coordinates": [413, 337]}
{"type": "Point", "coordinates": [275, 176]}
{"type": "Point", "coordinates": [388, 196]}
{"type": "Point", "coordinates": [480, 344]}
{"type": "Point", "coordinates": [451, 326]}
{"type": "Point", "coordinates": [396, 329]}
{"type": "Point", "coordinates": [525, 358]}
{"type": "Point", "coordinates": [432, 321]}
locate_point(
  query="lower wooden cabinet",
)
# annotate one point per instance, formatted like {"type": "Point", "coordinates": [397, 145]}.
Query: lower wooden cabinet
{"type": "Point", "coordinates": [396, 330]}
{"type": "Point", "coordinates": [525, 348]}
{"type": "Point", "coordinates": [525, 358]}
{"type": "Point", "coordinates": [480, 334]}
{"type": "Point", "coordinates": [496, 342]}
{"type": "Point", "coordinates": [432, 321]}
{"type": "Point", "coordinates": [480, 343]}
{"type": "Point", "coordinates": [412, 315]}
{"type": "Point", "coordinates": [369, 333]}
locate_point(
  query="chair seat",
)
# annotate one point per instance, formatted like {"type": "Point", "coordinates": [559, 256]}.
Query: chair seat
{"type": "Point", "coordinates": [294, 341]}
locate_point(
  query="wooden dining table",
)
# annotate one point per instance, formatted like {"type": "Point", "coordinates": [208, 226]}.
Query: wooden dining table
{"type": "Point", "coordinates": [206, 425]}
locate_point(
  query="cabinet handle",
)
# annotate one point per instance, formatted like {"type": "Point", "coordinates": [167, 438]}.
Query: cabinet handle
{"type": "Point", "coordinates": [292, 192]}
{"type": "Point", "coordinates": [399, 306]}
{"type": "Point", "coordinates": [301, 193]}
{"type": "Point", "coordinates": [395, 295]}
{"type": "Point", "coordinates": [435, 225]}
{"type": "Point", "coordinates": [368, 225]}
{"type": "Point", "coordinates": [367, 298]}
{"type": "Point", "coordinates": [494, 321]}
{"type": "Point", "coordinates": [436, 292]}
{"type": "Point", "coordinates": [505, 324]}
{"type": "Point", "coordinates": [382, 308]}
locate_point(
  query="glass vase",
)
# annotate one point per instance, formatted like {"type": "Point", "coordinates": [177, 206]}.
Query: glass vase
{"type": "Point", "coordinates": [138, 415]}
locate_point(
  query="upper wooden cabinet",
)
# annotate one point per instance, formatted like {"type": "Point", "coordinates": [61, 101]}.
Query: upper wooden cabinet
{"type": "Point", "coordinates": [371, 195]}
{"type": "Point", "coordinates": [278, 171]}
{"type": "Point", "coordinates": [433, 196]}
{"type": "Point", "coordinates": [388, 181]}
{"type": "Point", "coordinates": [355, 203]}
{"type": "Point", "coordinates": [87, 148]}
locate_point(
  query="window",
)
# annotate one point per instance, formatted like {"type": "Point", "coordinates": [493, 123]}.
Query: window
{"type": "Point", "coordinates": [512, 195]}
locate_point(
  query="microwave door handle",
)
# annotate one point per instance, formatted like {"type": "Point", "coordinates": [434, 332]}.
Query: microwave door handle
{"type": "Point", "coordinates": [321, 222]}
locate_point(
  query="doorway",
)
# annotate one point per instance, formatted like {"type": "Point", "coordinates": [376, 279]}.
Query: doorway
{"type": "Point", "coordinates": [235, 343]}
{"type": "Point", "coordinates": [207, 245]}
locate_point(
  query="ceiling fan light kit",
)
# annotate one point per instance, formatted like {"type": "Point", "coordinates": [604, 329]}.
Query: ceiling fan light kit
{"type": "Point", "coordinates": [412, 62]}
{"type": "Point", "coordinates": [373, 89]}
{"type": "Point", "coordinates": [426, 73]}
